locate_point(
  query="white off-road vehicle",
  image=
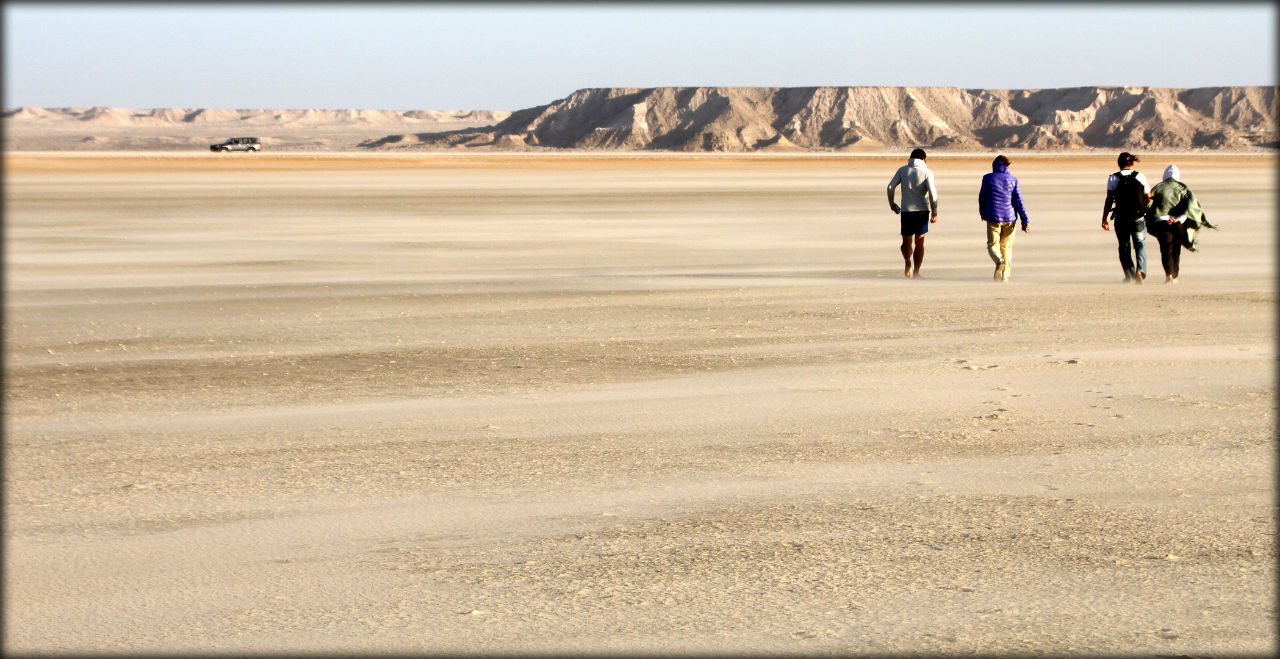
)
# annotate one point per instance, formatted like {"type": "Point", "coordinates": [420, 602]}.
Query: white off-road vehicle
{"type": "Point", "coordinates": [238, 144]}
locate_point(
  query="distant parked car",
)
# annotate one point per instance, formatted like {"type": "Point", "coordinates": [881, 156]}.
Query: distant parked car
{"type": "Point", "coordinates": [238, 144]}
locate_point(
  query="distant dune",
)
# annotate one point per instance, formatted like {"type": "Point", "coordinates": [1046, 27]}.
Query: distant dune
{"type": "Point", "coordinates": [101, 128]}
{"type": "Point", "coordinates": [710, 119]}
{"type": "Point", "coordinates": [168, 116]}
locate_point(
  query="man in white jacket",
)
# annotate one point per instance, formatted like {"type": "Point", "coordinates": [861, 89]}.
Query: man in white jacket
{"type": "Point", "coordinates": [919, 208]}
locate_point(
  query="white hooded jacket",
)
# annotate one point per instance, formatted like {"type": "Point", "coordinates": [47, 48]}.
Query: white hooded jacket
{"type": "Point", "coordinates": [918, 190]}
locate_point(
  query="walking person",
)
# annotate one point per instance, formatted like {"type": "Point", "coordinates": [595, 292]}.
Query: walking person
{"type": "Point", "coordinates": [1174, 217]}
{"type": "Point", "coordinates": [1000, 206]}
{"type": "Point", "coordinates": [1128, 194]}
{"type": "Point", "coordinates": [919, 208]}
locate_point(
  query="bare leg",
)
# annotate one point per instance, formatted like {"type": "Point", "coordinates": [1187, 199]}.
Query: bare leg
{"type": "Point", "coordinates": [906, 255]}
{"type": "Point", "coordinates": [918, 257]}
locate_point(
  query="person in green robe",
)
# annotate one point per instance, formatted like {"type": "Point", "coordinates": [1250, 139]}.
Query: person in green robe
{"type": "Point", "coordinates": [1174, 218]}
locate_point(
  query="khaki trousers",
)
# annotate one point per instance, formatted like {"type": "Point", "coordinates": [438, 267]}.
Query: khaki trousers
{"type": "Point", "coordinates": [1001, 234]}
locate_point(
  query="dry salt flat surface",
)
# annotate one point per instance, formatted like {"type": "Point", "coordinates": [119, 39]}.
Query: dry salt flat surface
{"type": "Point", "coordinates": [626, 404]}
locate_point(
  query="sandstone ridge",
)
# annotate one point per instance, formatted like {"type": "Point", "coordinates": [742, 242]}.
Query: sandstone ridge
{"type": "Point", "coordinates": [707, 119]}
{"type": "Point", "coordinates": [745, 119]}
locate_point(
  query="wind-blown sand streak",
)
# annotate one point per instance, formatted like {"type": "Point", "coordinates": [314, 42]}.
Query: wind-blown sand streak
{"type": "Point", "coordinates": [510, 403]}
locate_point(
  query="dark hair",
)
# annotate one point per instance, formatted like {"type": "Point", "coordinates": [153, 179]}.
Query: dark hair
{"type": "Point", "coordinates": [1126, 159]}
{"type": "Point", "coordinates": [918, 154]}
{"type": "Point", "coordinates": [1003, 159]}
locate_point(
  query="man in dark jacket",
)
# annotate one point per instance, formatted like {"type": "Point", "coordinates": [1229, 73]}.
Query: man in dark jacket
{"type": "Point", "coordinates": [1126, 204]}
{"type": "Point", "coordinates": [1000, 206]}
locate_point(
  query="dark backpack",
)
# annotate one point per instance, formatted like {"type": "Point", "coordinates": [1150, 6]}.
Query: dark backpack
{"type": "Point", "coordinates": [1128, 196]}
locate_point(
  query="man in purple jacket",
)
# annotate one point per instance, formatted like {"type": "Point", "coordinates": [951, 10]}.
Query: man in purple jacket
{"type": "Point", "coordinates": [1000, 206]}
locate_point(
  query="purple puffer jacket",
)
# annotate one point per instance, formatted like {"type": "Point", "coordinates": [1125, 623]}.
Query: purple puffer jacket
{"type": "Point", "coordinates": [1001, 197]}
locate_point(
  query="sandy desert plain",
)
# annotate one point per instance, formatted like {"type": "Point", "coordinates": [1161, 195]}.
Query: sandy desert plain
{"type": "Point", "coordinates": [626, 404]}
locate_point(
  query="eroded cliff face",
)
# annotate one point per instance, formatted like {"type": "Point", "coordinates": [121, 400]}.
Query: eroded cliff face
{"type": "Point", "coordinates": [740, 119]}
{"type": "Point", "coordinates": [705, 119]}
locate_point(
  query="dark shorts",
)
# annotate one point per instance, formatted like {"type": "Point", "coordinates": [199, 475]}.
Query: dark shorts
{"type": "Point", "coordinates": [914, 222]}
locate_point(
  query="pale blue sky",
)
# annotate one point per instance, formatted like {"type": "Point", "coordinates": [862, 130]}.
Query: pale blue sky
{"type": "Point", "coordinates": [419, 56]}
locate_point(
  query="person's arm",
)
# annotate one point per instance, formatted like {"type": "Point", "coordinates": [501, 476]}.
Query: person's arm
{"type": "Point", "coordinates": [932, 191]}
{"type": "Point", "coordinates": [1106, 209]}
{"type": "Point", "coordinates": [983, 194]}
{"type": "Point", "coordinates": [1194, 212]}
{"type": "Point", "coordinates": [893, 185]}
{"type": "Point", "coordinates": [1175, 212]}
{"type": "Point", "coordinates": [1019, 207]}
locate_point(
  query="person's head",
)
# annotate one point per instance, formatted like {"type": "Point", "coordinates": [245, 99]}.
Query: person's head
{"type": "Point", "coordinates": [1003, 159]}
{"type": "Point", "coordinates": [1126, 159]}
{"type": "Point", "coordinates": [918, 154]}
{"type": "Point", "coordinates": [1171, 172]}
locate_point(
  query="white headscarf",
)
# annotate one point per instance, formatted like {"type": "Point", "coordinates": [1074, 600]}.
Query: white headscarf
{"type": "Point", "coordinates": [1171, 172]}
